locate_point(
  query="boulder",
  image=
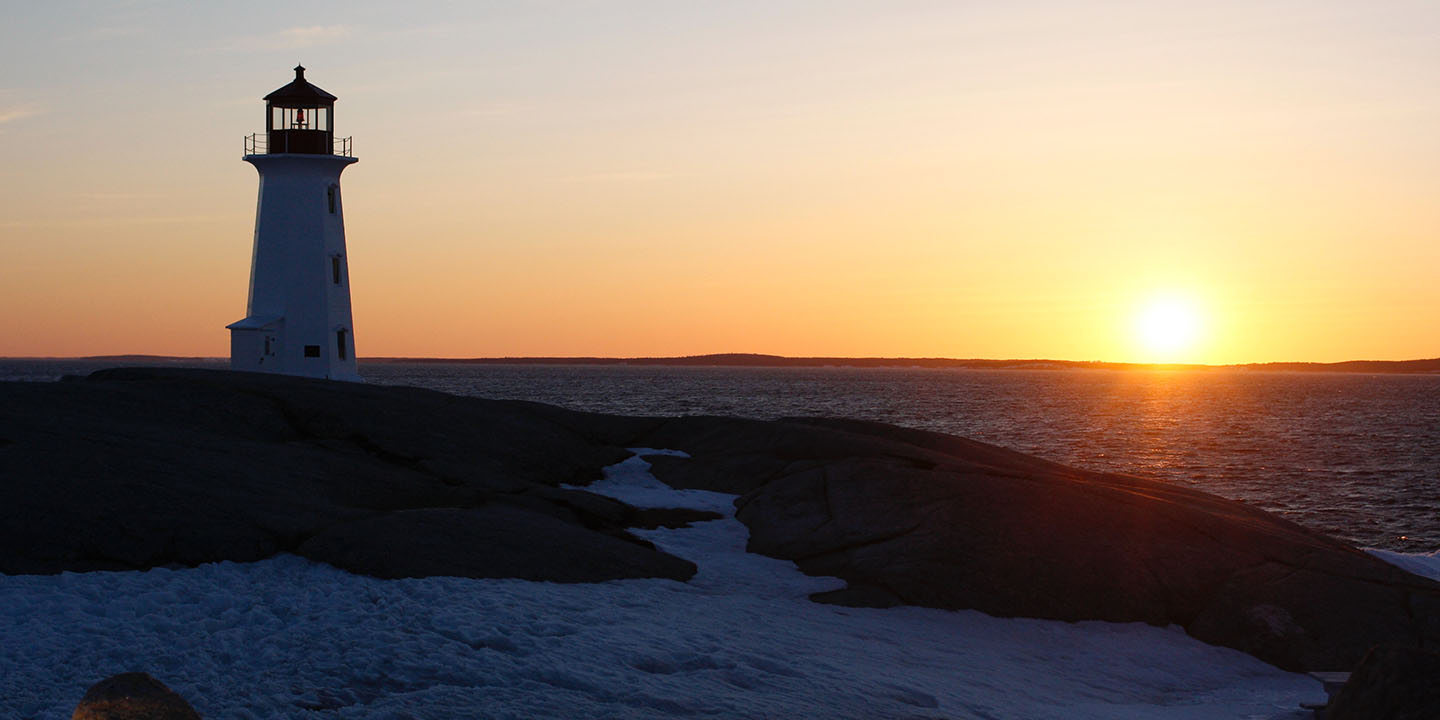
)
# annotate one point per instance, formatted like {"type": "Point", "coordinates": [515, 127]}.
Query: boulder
{"type": "Point", "coordinates": [133, 696]}
{"type": "Point", "coordinates": [1392, 682]}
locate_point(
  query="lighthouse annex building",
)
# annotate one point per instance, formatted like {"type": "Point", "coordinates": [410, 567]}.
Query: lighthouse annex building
{"type": "Point", "coordinates": [297, 318]}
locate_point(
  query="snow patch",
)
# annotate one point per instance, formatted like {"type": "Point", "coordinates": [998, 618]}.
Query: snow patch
{"type": "Point", "coordinates": [630, 481]}
{"type": "Point", "coordinates": [1422, 564]}
{"type": "Point", "coordinates": [287, 638]}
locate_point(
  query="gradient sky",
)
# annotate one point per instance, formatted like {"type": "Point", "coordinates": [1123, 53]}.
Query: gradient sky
{"type": "Point", "coordinates": [962, 179]}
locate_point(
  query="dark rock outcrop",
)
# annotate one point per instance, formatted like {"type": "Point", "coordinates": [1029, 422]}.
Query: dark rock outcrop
{"type": "Point", "coordinates": [933, 520]}
{"type": "Point", "coordinates": [1395, 683]}
{"type": "Point", "coordinates": [133, 696]}
{"type": "Point", "coordinates": [494, 541]}
{"type": "Point", "coordinates": [136, 468]}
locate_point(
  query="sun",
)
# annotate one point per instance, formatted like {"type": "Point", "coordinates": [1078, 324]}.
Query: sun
{"type": "Point", "coordinates": [1168, 328]}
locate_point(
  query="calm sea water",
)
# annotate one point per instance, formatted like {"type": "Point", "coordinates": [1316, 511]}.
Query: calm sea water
{"type": "Point", "coordinates": [1356, 456]}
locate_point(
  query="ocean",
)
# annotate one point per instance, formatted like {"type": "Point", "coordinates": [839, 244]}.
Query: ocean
{"type": "Point", "coordinates": [1352, 455]}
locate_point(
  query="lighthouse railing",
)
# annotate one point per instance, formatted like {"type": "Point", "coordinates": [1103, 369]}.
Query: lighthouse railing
{"type": "Point", "coordinates": [256, 144]}
{"type": "Point", "coordinates": [259, 144]}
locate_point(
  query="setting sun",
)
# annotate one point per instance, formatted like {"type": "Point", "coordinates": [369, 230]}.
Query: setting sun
{"type": "Point", "coordinates": [1168, 328]}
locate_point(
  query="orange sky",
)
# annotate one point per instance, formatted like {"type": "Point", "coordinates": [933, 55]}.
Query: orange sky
{"type": "Point", "coordinates": [798, 178]}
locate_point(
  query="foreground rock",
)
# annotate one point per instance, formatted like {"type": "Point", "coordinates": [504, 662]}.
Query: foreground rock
{"type": "Point", "coordinates": [907, 516]}
{"type": "Point", "coordinates": [138, 468]}
{"type": "Point", "coordinates": [133, 696]}
{"type": "Point", "coordinates": [1395, 683]}
{"type": "Point", "coordinates": [496, 541]}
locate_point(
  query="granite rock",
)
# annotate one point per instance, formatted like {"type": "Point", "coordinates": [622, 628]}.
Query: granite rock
{"type": "Point", "coordinates": [136, 468]}
{"type": "Point", "coordinates": [133, 696]}
{"type": "Point", "coordinates": [1392, 682]}
{"type": "Point", "coordinates": [492, 541]}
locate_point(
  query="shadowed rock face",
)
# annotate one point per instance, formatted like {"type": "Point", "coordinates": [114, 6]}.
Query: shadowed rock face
{"type": "Point", "coordinates": [1394, 683]}
{"type": "Point", "coordinates": [907, 516]}
{"type": "Point", "coordinates": [494, 541]}
{"type": "Point", "coordinates": [137, 468]}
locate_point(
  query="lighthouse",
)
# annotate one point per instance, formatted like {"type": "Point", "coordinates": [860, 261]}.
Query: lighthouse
{"type": "Point", "coordinates": [297, 318]}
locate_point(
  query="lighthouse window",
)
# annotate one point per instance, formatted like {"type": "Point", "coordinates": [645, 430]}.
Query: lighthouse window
{"type": "Point", "coordinates": [340, 344]}
{"type": "Point", "coordinates": [284, 118]}
{"type": "Point", "coordinates": [330, 197]}
{"type": "Point", "coordinates": [312, 351]}
{"type": "Point", "coordinates": [335, 269]}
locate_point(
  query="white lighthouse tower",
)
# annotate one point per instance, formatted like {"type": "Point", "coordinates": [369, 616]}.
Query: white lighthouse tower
{"type": "Point", "coordinates": [297, 319]}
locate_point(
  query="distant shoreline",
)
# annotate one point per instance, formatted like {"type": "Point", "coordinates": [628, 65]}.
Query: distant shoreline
{"type": "Point", "coordinates": [1428, 366]}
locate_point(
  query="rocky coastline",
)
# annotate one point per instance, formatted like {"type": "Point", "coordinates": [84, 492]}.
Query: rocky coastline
{"type": "Point", "coordinates": [138, 468]}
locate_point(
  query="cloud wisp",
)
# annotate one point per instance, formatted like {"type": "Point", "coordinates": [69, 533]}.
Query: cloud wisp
{"type": "Point", "coordinates": [9, 114]}
{"type": "Point", "coordinates": [292, 38]}
{"type": "Point", "coordinates": [303, 37]}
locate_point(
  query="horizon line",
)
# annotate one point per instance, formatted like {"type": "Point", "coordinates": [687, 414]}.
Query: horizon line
{"type": "Point", "coordinates": [1421, 365]}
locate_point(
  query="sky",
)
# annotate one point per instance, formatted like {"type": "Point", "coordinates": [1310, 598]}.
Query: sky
{"type": "Point", "coordinates": [1121, 181]}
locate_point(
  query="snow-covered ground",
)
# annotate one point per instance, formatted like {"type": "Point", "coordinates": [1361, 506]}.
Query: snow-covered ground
{"type": "Point", "coordinates": [288, 638]}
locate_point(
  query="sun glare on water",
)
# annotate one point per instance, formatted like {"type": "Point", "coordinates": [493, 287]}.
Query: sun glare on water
{"type": "Point", "coordinates": [1168, 329]}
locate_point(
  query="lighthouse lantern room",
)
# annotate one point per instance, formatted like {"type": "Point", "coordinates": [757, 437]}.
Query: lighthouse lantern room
{"type": "Point", "coordinates": [298, 319]}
